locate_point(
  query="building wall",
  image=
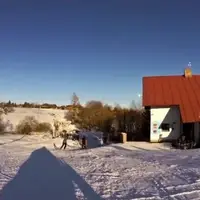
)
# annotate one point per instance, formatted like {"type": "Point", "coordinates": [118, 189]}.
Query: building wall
{"type": "Point", "coordinates": [168, 117]}
{"type": "Point", "coordinates": [197, 132]}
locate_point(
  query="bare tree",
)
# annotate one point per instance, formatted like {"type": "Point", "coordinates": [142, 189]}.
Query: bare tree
{"type": "Point", "coordinates": [75, 100]}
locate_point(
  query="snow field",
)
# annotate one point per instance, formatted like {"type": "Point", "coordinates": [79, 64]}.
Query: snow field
{"type": "Point", "coordinates": [118, 171]}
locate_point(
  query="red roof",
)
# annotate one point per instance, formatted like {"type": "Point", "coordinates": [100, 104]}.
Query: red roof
{"type": "Point", "coordinates": [161, 91]}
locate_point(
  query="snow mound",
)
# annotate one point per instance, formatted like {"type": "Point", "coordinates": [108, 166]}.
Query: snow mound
{"type": "Point", "coordinates": [93, 138]}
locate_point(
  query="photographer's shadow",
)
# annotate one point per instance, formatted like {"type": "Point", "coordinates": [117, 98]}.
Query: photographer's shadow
{"type": "Point", "coordinates": [43, 176]}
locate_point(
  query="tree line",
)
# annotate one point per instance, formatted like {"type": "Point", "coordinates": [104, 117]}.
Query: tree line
{"type": "Point", "coordinates": [33, 105]}
{"type": "Point", "coordinates": [95, 115]}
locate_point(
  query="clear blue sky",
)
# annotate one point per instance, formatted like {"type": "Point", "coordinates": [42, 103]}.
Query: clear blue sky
{"type": "Point", "coordinates": [99, 49]}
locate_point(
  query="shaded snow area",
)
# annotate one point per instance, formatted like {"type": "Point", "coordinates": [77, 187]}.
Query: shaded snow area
{"type": "Point", "coordinates": [30, 169]}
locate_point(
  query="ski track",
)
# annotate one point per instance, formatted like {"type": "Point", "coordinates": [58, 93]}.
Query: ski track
{"type": "Point", "coordinates": [117, 173]}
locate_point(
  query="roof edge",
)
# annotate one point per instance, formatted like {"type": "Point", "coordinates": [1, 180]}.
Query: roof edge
{"type": "Point", "coordinates": [165, 76]}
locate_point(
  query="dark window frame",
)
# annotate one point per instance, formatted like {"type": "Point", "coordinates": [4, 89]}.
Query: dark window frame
{"type": "Point", "coordinates": [165, 127]}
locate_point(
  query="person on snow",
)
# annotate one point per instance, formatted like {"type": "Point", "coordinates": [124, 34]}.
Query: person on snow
{"type": "Point", "coordinates": [84, 143]}
{"type": "Point", "coordinates": [64, 143]}
{"type": "Point", "coordinates": [101, 142]}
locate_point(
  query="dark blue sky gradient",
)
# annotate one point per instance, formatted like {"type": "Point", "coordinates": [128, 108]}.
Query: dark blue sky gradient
{"type": "Point", "coordinates": [98, 49]}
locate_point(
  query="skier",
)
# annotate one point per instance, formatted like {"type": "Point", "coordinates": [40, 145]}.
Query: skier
{"type": "Point", "coordinates": [64, 143]}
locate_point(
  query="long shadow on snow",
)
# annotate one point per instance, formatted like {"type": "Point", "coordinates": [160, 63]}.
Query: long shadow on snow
{"type": "Point", "coordinates": [183, 158]}
{"type": "Point", "coordinates": [159, 189]}
{"type": "Point", "coordinates": [43, 176]}
{"type": "Point", "coordinates": [130, 150]}
{"type": "Point", "coordinates": [15, 140]}
{"type": "Point", "coordinates": [185, 171]}
{"type": "Point", "coordinates": [140, 148]}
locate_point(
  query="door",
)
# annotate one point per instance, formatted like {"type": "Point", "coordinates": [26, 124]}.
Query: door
{"type": "Point", "coordinates": [188, 131]}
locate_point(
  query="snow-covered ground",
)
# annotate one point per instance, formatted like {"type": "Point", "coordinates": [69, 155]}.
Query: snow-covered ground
{"type": "Point", "coordinates": [30, 169]}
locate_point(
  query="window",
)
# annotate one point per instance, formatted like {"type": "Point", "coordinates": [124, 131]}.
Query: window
{"type": "Point", "coordinates": [165, 127]}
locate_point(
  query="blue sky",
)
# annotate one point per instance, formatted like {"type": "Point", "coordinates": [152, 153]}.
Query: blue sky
{"type": "Point", "coordinates": [99, 49]}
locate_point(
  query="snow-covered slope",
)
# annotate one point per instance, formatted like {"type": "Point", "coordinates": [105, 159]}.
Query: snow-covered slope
{"type": "Point", "coordinates": [42, 115]}
{"type": "Point", "coordinates": [31, 168]}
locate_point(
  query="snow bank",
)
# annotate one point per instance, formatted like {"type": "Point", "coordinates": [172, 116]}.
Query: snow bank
{"type": "Point", "coordinates": [94, 138]}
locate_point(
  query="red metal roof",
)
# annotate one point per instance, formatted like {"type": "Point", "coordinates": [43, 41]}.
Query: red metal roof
{"type": "Point", "coordinates": [161, 91]}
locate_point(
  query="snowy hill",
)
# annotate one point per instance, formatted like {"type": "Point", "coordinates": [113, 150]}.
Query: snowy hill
{"type": "Point", "coordinates": [31, 168]}
{"type": "Point", "coordinates": [42, 115]}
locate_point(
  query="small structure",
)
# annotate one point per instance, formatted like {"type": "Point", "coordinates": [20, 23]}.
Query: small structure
{"type": "Point", "coordinates": [123, 137]}
{"type": "Point", "coordinates": [174, 103]}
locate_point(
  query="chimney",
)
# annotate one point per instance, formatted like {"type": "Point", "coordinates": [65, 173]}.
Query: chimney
{"type": "Point", "coordinates": [188, 73]}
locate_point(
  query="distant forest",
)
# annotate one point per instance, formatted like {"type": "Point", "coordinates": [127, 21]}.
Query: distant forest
{"type": "Point", "coordinates": [33, 105]}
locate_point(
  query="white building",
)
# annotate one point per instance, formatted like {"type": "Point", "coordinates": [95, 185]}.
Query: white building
{"type": "Point", "coordinates": [174, 103]}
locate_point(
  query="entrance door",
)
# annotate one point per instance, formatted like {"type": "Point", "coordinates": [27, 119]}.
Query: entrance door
{"type": "Point", "coordinates": [188, 131]}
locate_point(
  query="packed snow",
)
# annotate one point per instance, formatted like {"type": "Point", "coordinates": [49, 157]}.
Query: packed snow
{"type": "Point", "coordinates": [30, 169]}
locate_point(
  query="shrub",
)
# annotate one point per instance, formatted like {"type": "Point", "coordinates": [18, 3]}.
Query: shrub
{"type": "Point", "coordinates": [28, 125]}
{"type": "Point", "coordinates": [8, 110]}
{"type": "Point", "coordinates": [3, 126]}
{"type": "Point", "coordinates": [43, 127]}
